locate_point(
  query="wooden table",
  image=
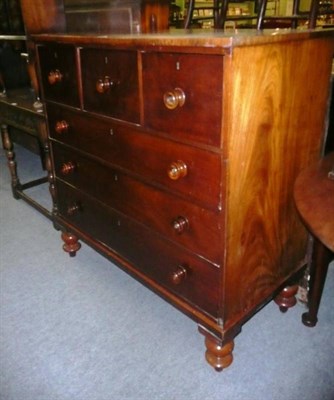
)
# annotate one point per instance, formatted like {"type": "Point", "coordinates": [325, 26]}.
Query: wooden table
{"type": "Point", "coordinates": [314, 197]}
{"type": "Point", "coordinates": [17, 112]}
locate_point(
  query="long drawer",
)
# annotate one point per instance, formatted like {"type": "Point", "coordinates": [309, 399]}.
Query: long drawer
{"type": "Point", "coordinates": [182, 273]}
{"type": "Point", "coordinates": [192, 226]}
{"type": "Point", "coordinates": [183, 169]}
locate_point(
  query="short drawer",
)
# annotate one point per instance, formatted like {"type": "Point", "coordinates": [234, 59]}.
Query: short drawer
{"type": "Point", "coordinates": [178, 271]}
{"type": "Point", "coordinates": [58, 69]}
{"type": "Point", "coordinates": [186, 170]}
{"type": "Point", "coordinates": [194, 227]}
{"type": "Point", "coordinates": [183, 95]}
{"type": "Point", "coordinates": [110, 83]}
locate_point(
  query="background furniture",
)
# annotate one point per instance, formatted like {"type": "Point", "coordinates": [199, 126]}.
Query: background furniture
{"type": "Point", "coordinates": [298, 17]}
{"type": "Point", "coordinates": [258, 14]}
{"type": "Point", "coordinates": [11, 22]}
{"type": "Point", "coordinates": [22, 117]}
{"type": "Point", "coordinates": [314, 196]}
{"type": "Point", "coordinates": [23, 123]}
{"type": "Point", "coordinates": [98, 17]}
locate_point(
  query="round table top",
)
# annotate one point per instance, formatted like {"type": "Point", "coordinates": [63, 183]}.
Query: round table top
{"type": "Point", "coordinates": [314, 197]}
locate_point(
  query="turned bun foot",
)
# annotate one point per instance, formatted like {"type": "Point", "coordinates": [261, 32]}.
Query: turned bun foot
{"type": "Point", "coordinates": [286, 299]}
{"type": "Point", "coordinates": [71, 243]}
{"type": "Point", "coordinates": [217, 355]}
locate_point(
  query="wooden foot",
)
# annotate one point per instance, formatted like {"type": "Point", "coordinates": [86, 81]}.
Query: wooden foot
{"type": "Point", "coordinates": [218, 355]}
{"type": "Point", "coordinates": [71, 243]}
{"type": "Point", "coordinates": [286, 299]}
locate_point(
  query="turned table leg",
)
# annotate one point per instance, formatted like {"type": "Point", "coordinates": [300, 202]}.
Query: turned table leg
{"type": "Point", "coordinates": [71, 243]}
{"type": "Point", "coordinates": [8, 146]}
{"type": "Point", "coordinates": [319, 265]}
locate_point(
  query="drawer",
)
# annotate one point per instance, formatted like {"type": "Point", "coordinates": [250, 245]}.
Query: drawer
{"type": "Point", "coordinates": [183, 95]}
{"type": "Point", "coordinates": [178, 271]}
{"type": "Point", "coordinates": [192, 226]}
{"type": "Point", "coordinates": [110, 83]}
{"type": "Point", "coordinates": [58, 70]}
{"type": "Point", "coordinates": [195, 173]}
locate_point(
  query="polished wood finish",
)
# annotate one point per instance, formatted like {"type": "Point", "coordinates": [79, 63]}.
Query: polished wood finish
{"type": "Point", "coordinates": [218, 356]}
{"type": "Point", "coordinates": [286, 298]}
{"type": "Point", "coordinates": [118, 93]}
{"type": "Point", "coordinates": [81, 16]}
{"type": "Point", "coordinates": [155, 15]}
{"type": "Point", "coordinates": [43, 16]}
{"type": "Point", "coordinates": [59, 82]}
{"type": "Point", "coordinates": [196, 95]}
{"type": "Point", "coordinates": [24, 123]}
{"type": "Point", "coordinates": [314, 194]}
{"type": "Point", "coordinates": [224, 237]}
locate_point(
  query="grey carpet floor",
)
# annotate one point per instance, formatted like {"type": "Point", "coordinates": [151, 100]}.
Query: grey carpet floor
{"type": "Point", "coordinates": [81, 329]}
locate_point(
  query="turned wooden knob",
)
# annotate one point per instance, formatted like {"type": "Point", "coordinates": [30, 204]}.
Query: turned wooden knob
{"type": "Point", "coordinates": [174, 98]}
{"type": "Point", "coordinates": [55, 77]}
{"type": "Point", "coordinates": [180, 224]}
{"type": "Point", "coordinates": [105, 84]}
{"type": "Point", "coordinates": [73, 208]}
{"type": "Point", "coordinates": [67, 168]}
{"type": "Point", "coordinates": [177, 170]}
{"type": "Point", "coordinates": [61, 127]}
{"type": "Point", "coordinates": [179, 275]}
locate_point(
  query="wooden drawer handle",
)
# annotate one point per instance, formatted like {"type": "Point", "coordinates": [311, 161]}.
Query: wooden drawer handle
{"type": "Point", "coordinates": [61, 127]}
{"type": "Point", "coordinates": [180, 224]}
{"type": "Point", "coordinates": [105, 84]}
{"type": "Point", "coordinates": [177, 169]}
{"type": "Point", "coordinates": [174, 98]}
{"type": "Point", "coordinates": [73, 208]}
{"type": "Point", "coordinates": [68, 168]}
{"type": "Point", "coordinates": [55, 77]}
{"type": "Point", "coordinates": [179, 275]}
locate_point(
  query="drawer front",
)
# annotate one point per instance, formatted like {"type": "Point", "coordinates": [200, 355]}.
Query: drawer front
{"type": "Point", "coordinates": [178, 90]}
{"type": "Point", "coordinates": [110, 83]}
{"type": "Point", "coordinates": [194, 227]}
{"type": "Point", "coordinates": [185, 275]}
{"type": "Point", "coordinates": [59, 78]}
{"type": "Point", "coordinates": [149, 157]}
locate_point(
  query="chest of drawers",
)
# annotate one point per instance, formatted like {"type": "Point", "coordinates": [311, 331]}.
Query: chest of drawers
{"type": "Point", "coordinates": [175, 156]}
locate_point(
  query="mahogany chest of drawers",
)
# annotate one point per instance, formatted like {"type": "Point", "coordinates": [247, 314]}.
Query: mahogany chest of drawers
{"type": "Point", "coordinates": [175, 156]}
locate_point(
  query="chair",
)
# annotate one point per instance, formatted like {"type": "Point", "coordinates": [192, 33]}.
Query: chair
{"type": "Point", "coordinates": [314, 198]}
{"type": "Point", "coordinates": [215, 7]}
{"type": "Point", "coordinates": [220, 9]}
{"type": "Point", "coordinates": [289, 20]}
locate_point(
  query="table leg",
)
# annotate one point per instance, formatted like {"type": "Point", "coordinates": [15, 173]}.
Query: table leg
{"type": "Point", "coordinates": [318, 271]}
{"type": "Point", "coordinates": [10, 154]}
